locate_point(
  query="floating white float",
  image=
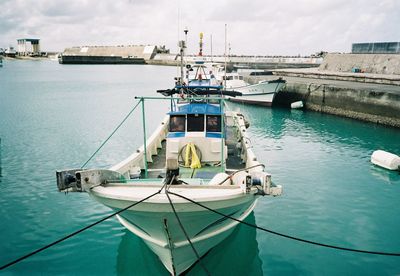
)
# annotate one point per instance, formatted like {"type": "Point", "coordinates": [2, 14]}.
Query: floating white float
{"type": "Point", "coordinates": [386, 160]}
{"type": "Point", "coordinates": [297, 105]}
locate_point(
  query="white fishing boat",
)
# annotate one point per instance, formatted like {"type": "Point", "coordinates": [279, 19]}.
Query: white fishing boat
{"type": "Point", "coordinates": [193, 180]}
{"type": "Point", "coordinates": [262, 93]}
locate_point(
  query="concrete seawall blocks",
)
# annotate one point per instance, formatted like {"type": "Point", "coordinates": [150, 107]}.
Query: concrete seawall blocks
{"type": "Point", "coordinates": [362, 104]}
{"type": "Point", "coordinates": [368, 63]}
{"type": "Point", "coordinates": [360, 86]}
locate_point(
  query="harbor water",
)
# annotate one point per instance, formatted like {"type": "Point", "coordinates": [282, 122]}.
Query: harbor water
{"type": "Point", "coordinates": [55, 116]}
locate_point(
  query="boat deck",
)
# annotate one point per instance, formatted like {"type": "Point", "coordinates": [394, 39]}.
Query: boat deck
{"type": "Point", "coordinates": [156, 169]}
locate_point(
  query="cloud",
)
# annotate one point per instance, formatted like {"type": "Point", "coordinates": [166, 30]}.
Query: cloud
{"type": "Point", "coordinates": [254, 27]}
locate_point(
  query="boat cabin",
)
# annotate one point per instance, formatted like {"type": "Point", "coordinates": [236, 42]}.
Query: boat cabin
{"type": "Point", "coordinates": [231, 76]}
{"type": "Point", "coordinates": [203, 75]}
{"type": "Point", "coordinates": [201, 124]}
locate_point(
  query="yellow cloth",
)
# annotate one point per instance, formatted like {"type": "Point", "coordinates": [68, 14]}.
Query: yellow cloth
{"type": "Point", "coordinates": [195, 159]}
{"type": "Point", "coordinates": [187, 154]}
{"type": "Point", "coordinates": [191, 149]}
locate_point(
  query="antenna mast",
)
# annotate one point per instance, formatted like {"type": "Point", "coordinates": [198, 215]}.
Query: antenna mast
{"type": "Point", "coordinates": [211, 48]}
{"type": "Point", "coordinates": [182, 45]}
{"type": "Point", "coordinates": [201, 45]}
{"type": "Point", "coordinates": [225, 59]}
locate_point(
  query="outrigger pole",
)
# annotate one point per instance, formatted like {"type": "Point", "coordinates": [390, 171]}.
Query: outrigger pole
{"type": "Point", "coordinates": [225, 59]}
{"type": "Point", "coordinates": [222, 103]}
{"type": "Point", "coordinates": [144, 138]}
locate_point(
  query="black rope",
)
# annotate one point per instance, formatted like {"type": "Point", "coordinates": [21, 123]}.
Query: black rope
{"type": "Point", "coordinates": [112, 133]}
{"type": "Point", "coordinates": [76, 232]}
{"type": "Point", "coordinates": [205, 207]}
{"type": "Point", "coordinates": [186, 234]}
{"type": "Point", "coordinates": [235, 172]}
{"type": "Point", "coordinates": [287, 236]}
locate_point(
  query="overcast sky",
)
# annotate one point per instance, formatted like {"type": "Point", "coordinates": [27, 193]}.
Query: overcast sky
{"type": "Point", "coordinates": [285, 27]}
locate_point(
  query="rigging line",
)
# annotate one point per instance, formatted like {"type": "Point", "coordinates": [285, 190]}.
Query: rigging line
{"type": "Point", "coordinates": [185, 233]}
{"type": "Point", "coordinates": [235, 172]}
{"type": "Point", "coordinates": [76, 232]}
{"type": "Point", "coordinates": [108, 138]}
{"type": "Point", "coordinates": [288, 236]}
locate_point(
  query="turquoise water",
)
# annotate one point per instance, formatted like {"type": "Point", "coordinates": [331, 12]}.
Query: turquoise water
{"type": "Point", "coordinates": [55, 116]}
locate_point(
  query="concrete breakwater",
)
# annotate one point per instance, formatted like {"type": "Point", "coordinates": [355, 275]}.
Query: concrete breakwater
{"type": "Point", "coordinates": [316, 73]}
{"type": "Point", "coordinates": [370, 96]}
{"type": "Point", "coordinates": [131, 54]}
{"type": "Point", "coordinates": [378, 105]}
{"type": "Point", "coordinates": [155, 55]}
{"type": "Point", "coordinates": [385, 64]}
{"type": "Point", "coordinates": [252, 62]}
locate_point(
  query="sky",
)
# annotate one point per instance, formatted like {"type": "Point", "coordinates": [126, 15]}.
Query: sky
{"type": "Point", "coordinates": [256, 27]}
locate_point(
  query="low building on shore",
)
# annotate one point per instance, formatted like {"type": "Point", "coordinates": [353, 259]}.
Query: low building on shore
{"type": "Point", "coordinates": [29, 47]}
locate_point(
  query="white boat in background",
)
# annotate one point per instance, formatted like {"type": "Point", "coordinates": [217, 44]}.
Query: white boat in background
{"type": "Point", "coordinates": [262, 93]}
{"type": "Point", "coordinates": [191, 183]}
{"type": "Point", "coordinates": [10, 52]}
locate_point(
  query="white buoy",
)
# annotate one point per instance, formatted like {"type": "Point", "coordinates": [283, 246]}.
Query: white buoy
{"type": "Point", "coordinates": [297, 105]}
{"type": "Point", "coordinates": [386, 160]}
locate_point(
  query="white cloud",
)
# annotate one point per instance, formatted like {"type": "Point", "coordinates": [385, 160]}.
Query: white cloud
{"type": "Point", "coordinates": [254, 27]}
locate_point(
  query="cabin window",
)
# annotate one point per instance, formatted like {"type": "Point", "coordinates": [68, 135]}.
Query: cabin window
{"type": "Point", "coordinates": [213, 123]}
{"type": "Point", "coordinates": [177, 123]}
{"type": "Point", "coordinates": [195, 122]}
{"type": "Point", "coordinates": [240, 77]}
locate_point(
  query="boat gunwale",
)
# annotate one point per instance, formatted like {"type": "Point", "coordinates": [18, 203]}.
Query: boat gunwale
{"type": "Point", "coordinates": [161, 198]}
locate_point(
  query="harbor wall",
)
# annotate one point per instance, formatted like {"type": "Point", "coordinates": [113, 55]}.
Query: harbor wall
{"type": "Point", "coordinates": [316, 73]}
{"type": "Point", "coordinates": [130, 54]}
{"type": "Point", "coordinates": [151, 54]}
{"type": "Point", "coordinates": [371, 93]}
{"type": "Point", "coordinates": [100, 60]}
{"type": "Point", "coordinates": [250, 62]}
{"type": "Point", "coordinates": [388, 64]}
{"type": "Point", "coordinates": [370, 105]}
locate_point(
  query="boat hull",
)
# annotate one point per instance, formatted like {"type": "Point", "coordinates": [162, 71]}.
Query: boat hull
{"type": "Point", "coordinates": [156, 223]}
{"type": "Point", "coordinates": [267, 102]}
{"type": "Point", "coordinates": [259, 94]}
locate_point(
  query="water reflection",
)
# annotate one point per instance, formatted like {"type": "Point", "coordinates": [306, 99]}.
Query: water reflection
{"type": "Point", "coordinates": [276, 123]}
{"type": "Point", "coordinates": [384, 175]}
{"type": "Point", "coordinates": [237, 255]}
{"type": "Point", "coordinates": [259, 117]}
{"type": "Point", "coordinates": [134, 257]}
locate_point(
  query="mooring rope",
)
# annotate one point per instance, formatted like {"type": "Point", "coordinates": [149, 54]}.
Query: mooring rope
{"type": "Point", "coordinates": [186, 234]}
{"type": "Point", "coordinates": [112, 133]}
{"type": "Point", "coordinates": [288, 236]}
{"type": "Point", "coordinates": [207, 208]}
{"type": "Point", "coordinates": [77, 232]}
